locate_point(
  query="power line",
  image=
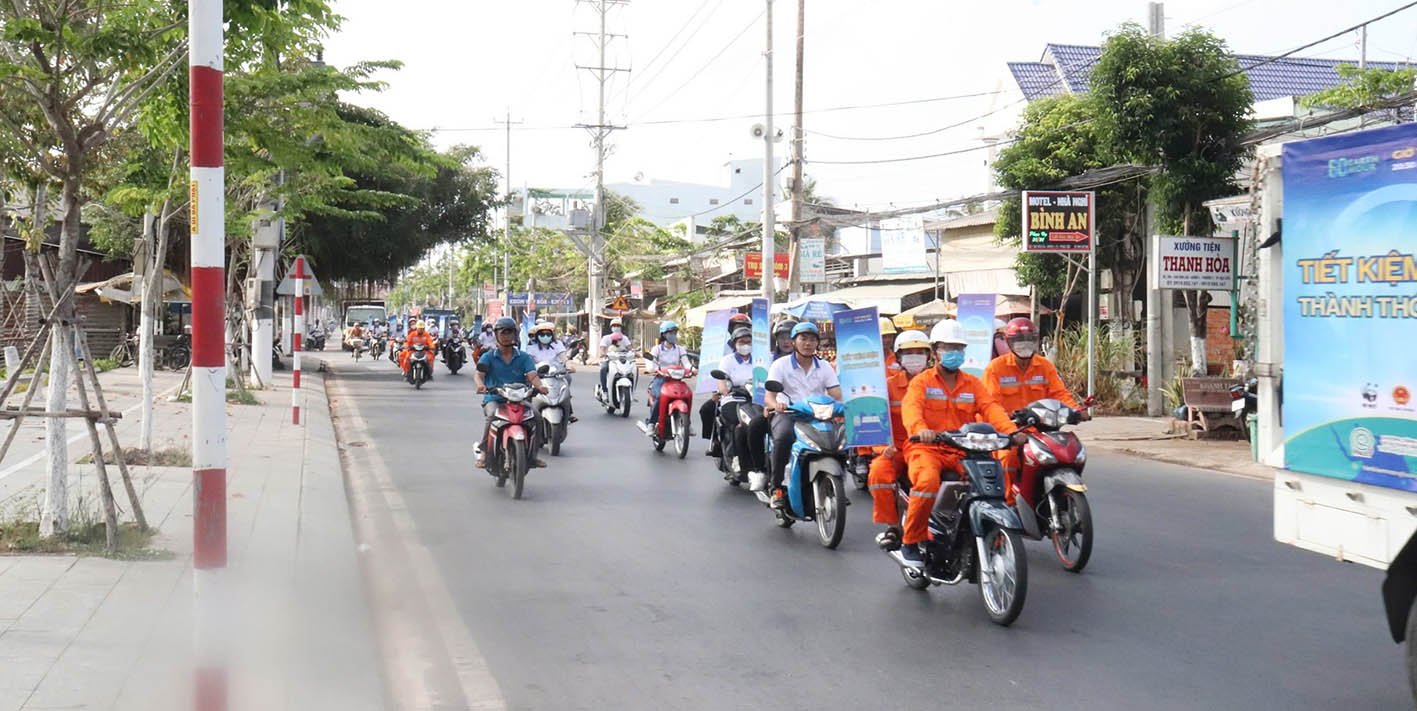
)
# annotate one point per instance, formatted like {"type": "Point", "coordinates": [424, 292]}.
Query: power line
{"type": "Point", "coordinates": [1340, 33]}
{"type": "Point", "coordinates": [645, 71]}
{"type": "Point", "coordinates": [922, 134]}
{"type": "Point", "coordinates": [709, 63]}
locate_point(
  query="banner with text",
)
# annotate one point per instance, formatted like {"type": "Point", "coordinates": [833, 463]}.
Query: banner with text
{"type": "Point", "coordinates": [762, 348]}
{"type": "Point", "coordinates": [753, 265]}
{"type": "Point", "coordinates": [976, 316]}
{"type": "Point", "coordinates": [713, 347]}
{"type": "Point", "coordinates": [813, 254]}
{"type": "Point", "coordinates": [903, 246]}
{"type": "Point", "coordinates": [1350, 307]}
{"type": "Point", "coordinates": [861, 368]}
{"type": "Point", "coordinates": [1057, 221]}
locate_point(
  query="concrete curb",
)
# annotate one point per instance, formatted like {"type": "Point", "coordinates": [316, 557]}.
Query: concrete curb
{"type": "Point", "coordinates": [1249, 470]}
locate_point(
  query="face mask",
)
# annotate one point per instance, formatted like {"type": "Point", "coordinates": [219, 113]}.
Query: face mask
{"type": "Point", "coordinates": [914, 362]}
{"type": "Point", "coordinates": [744, 349]}
{"type": "Point", "coordinates": [951, 360]}
{"type": "Point", "coordinates": [614, 329]}
{"type": "Point", "coordinates": [544, 338]}
{"type": "Point", "coordinates": [671, 338]}
{"type": "Point", "coordinates": [1025, 348]}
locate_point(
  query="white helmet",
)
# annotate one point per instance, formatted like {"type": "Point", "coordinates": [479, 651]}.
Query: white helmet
{"type": "Point", "coordinates": [912, 338]}
{"type": "Point", "coordinates": [948, 331]}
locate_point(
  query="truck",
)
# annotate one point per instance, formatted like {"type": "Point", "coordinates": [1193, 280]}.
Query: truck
{"type": "Point", "coordinates": [1336, 327]}
{"type": "Point", "coordinates": [362, 311]}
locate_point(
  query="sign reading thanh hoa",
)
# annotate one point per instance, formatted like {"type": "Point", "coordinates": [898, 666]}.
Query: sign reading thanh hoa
{"type": "Point", "coordinates": [1195, 263]}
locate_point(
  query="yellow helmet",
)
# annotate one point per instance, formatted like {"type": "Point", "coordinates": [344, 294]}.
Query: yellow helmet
{"type": "Point", "coordinates": [419, 324]}
{"type": "Point", "coordinates": [616, 322]}
{"type": "Point", "coordinates": [887, 326]}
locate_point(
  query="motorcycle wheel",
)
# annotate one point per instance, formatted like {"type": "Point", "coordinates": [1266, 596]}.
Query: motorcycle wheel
{"type": "Point", "coordinates": [178, 358]}
{"type": "Point", "coordinates": [1007, 565]}
{"type": "Point", "coordinates": [658, 442]}
{"type": "Point", "coordinates": [499, 466]}
{"type": "Point", "coordinates": [624, 402]}
{"type": "Point", "coordinates": [831, 515]}
{"type": "Point", "coordinates": [1073, 544]}
{"type": "Point", "coordinates": [418, 381]}
{"type": "Point", "coordinates": [454, 369]}
{"type": "Point", "coordinates": [558, 433]}
{"type": "Point", "coordinates": [518, 463]}
{"type": "Point", "coordinates": [679, 425]}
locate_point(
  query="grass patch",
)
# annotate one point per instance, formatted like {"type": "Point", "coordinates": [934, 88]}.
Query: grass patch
{"type": "Point", "coordinates": [106, 364]}
{"type": "Point", "coordinates": [134, 457]}
{"type": "Point", "coordinates": [81, 539]}
{"type": "Point", "coordinates": [234, 397]}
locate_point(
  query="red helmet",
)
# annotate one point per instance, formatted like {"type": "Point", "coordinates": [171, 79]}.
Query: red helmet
{"type": "Point", "coordinates": [739, 318]}
{"type": "Point", "coordinates": [1020, 326]}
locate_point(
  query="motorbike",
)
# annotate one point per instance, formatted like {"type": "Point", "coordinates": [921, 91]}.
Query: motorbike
{"type": "Point", "coordinates": [552, 406]}
{"type": "Point", "coordinates": [420, 367]}
{"type": "Point", "coordinates": [974, 535]}
{"type": "Point", "coordinates": [621, 378]}
{"type": "Point", "coordinates": [356, 350]}
{"type": "Point", "coordinates": [815, 472]}
{"type": "Point", "coordinates": [675, 400]}
{"type": "Point", "coordinates": [858, 462]}
{"type": "Point", "coordinates": [316, 341]}
{"type": "Point", "coordinates": [1050, 487]}
{"type": "Point", "coordinates": [575, 348]}
{"type": "Point", "coordinates": [454, 354]}
{"type": "Point", "coordinates": [395, 347]}
{"type": "Point", "coordinates": [508, 449]}
{"type": "Point", "coordinates": [735, 470]}
{"type": "Point", "coordinates": [1245, 401]}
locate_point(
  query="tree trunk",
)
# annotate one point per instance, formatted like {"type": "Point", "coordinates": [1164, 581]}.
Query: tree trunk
{"type": "Point", "coordinates": [152, 284]}
{"type": "Point", "coordinates": [55, 514]}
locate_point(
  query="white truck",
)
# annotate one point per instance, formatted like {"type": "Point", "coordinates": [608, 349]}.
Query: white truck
{"type": "Point", "coordinates": [1337, 358]}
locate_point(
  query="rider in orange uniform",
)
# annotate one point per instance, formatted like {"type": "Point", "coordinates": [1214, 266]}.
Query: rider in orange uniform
{"type": "Point", "coordinates": [941, 399]}
{"type": "Point", "coordinates": [418, 334]}
{"type": "Point", "coordinates": [912, 349]}
{"type": "Point", "coordinates": [1021, 377]}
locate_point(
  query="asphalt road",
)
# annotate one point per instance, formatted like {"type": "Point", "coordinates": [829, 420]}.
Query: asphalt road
{"type": "Point", "coordinates": [628, 579]}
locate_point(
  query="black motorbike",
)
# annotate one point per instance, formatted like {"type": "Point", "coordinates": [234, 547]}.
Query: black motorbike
{"type": "Point", "coordinates": [858, 462]}
{"type": "Point", "coordinates": [454, 354]}
{"type": "Point", "coordinates": [420, 367]}
{"type": "Point", "coordinates": [575, 349]}
{"type": "Point", "coordinates": [731, 462]}
{"type": "Point", "coordinates": [316, 341]}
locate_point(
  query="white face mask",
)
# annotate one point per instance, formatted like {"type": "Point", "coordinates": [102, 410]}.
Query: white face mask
{"type": "Point", "coordinates": [1025, 348]}
{"type": "Point", "coordinates": [914, 362]}
{"type": "Point", "coordinates": [744, 349]}
{"type": "Point", "coordinates": [614, 329]}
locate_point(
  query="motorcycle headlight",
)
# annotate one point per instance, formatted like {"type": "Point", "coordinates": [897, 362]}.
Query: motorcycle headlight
{"type": "Point", "coordinates": [823, 411]}
{"type": "Point", "coordinates": [1081, 458]}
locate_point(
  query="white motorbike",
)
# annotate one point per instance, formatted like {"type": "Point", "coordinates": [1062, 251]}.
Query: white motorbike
{"type": "Point", "coordinates": [551, 407]}
{"type": "Point", "coordinates": [620, 381]}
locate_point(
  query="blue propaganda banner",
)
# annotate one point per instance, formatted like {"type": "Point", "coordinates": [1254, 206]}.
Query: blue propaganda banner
{"type": "Point", "coordinates": [976, 316]}
{"type": "Point", "coordinates": [762, 348]}
{"type": "Point", "coordinates": [1350, 306]}
{"type": "Point", "coordinates": [714, 344]}
{"type": "Point", "coordinates": [862, 370]}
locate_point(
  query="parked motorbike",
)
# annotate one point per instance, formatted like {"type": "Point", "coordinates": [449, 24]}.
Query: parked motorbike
{"type": "Point", "coordinates": [621, 379]}
{"type": "Point", "coordinates": [420, 368]}
{"type": "Point", "coordinates": [508, 448]}
{"type": "Point", "coordinates": [676, 398]}
{"type": "Point", "coordinates": [974, 535]}
{"type": "Point", "coordinates": [552, 406]}
{"type": "Point", "coordinates": [815, 471]}
{"type": "Point", "coordinates": [454, 354]}
{"type": "Point", "coordinates": [735, 469]}
{"type": "Point", "coordinates": [575, 348]}
{"type": "Point", "coordinates": [1050, 486]}
{"type": "Point", "coordinates": [1245, 401]}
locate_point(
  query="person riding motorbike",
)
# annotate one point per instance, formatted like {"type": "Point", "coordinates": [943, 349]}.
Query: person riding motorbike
{"type": "Point", "coordinates": [912, 350]}
{"type": "Point", "coordinates": [1018, 378]}
{"type": "Point", "coordinates": [455, 329]}
{"type": "Point", "coordinates": [888, 336]}
{"type": "Point", "coordinates": [615, 339]}
{"type": "Point", "coordinates": [416, 335]}
{"type": "Point", "coordinates": [941, 399]}
{"type": "Point", "coordinates": [665, 354]}
{"type": "Point", "coordinates": [738, 366]}
{"type": "Point", "coordinates": [802, 375]}
{"type": "Point", "coordinates": [782, 338]}
{"type": "Point", "coordinates": [505, 365]}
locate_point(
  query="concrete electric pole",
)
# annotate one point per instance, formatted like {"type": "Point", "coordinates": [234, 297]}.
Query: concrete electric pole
{"type": "Point", "coordinates": [769, 229]}
{"type": "Point", "coordinates": [507, 228]}
{"type": "Point", "coordinates": [794, 271]}
{"type": "Point", "coordinates": [599, 131]}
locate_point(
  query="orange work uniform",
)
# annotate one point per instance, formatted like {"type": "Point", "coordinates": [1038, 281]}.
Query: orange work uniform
{"type": "Point", "coordinates": [415, 337]}
{"type": "Point", "coordinates": [1014, 387]}
{"type": "Point", "coordinates": [887, 470]}
{"type": "Point", "coordinates": [931, 404]}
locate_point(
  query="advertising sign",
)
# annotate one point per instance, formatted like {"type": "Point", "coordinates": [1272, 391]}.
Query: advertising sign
{"type": "Point", "coordinates": [903, 246]}
{"type": "Point", "coordinates": [544, 300]}
{"type": "Point", "coordinates": [862, 371]}
{"type": "Point", "coordinates": [813, 253]}
{"type": "Point", "coordinates": [1195, 263]}
{"type": "Point", "coordinates": [637, 289]}
{"type": "Point", "coordinates": [976, 315]}
{"type": "Point", "coordinates": [494, 309]}
{"type": "Point", "coordinates": [753, 265]}
{"type": "Point", "coordinates": [1057, 221]}
{"type": "Point", "coordinates": [762, 348]}
{"type": "Point", "coordinates": [1350, 307]}
{"type": "Point", "coordinates": [712, 348]}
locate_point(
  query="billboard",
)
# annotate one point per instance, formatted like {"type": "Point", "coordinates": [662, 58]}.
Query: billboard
{"type": "Point", "coordinates": [976, 316]}
{"type": "Point", "coordinates": [903, 246]}
{"type": "Point", "coordinates": [861, 368]}
{"type": "Point", "coordinates": [1056, 221]}
{"type": "Point", "coordinates": [1195, 263]}
{"type": "Point", "coordinates": [753, 265]}
{"type": "Point", "coordinates": [813, 253]}
{"type": "Point", "coordinates": [1350, 307]}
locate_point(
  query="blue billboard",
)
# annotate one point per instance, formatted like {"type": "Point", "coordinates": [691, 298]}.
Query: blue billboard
{"type": "Point", "coordinates": [861, 368]}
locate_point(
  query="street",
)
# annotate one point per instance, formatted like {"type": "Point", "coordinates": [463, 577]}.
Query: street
{"type": "Point", "coordinates": [629, 579]}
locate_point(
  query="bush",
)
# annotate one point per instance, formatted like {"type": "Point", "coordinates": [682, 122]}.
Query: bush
{"type": "Point", "coordinates": [1116, 392]}
{"type": "Point", "coordinates": [106, 364]}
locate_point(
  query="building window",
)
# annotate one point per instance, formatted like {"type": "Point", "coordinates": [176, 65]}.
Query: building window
{"type": "Point", "coordinates": [748, 201]}
{"type": "Point", "coordinates": [673, 201]}
{"type": "Point", "coordinates": [713, 201]}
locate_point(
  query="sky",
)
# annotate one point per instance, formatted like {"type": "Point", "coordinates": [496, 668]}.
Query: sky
{"type": "Point", "coordinates": [467, 63]}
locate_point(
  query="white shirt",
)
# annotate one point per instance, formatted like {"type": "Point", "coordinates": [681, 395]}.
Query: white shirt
{"type": "Point", "coordinates": [545, 354]}
{"type": "Point", "coordinates": [666, 355]}
{"type": "Point", "coordinates": [739, 370]}
{"type": "Point", "coordinates": [800, 383]}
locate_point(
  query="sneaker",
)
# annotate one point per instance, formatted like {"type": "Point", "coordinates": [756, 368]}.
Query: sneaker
{"type": "Point", "coordinates": [779, 498]}
{"type": "Point", "coordinates": [757, 481]}
{"type": "Point", "coordinates": [645, 427]}
{"type": "Point", "coordinates": [910, 553]}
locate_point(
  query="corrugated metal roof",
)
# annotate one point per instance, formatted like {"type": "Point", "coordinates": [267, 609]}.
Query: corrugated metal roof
{"type": "Point", "coordinates": [1068, 68]}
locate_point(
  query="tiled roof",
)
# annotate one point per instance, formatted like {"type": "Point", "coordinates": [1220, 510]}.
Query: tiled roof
{"type": "Point", "coordinates": [1067, 68]}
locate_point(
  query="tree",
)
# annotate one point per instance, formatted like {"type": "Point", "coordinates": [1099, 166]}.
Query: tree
{"type": "Point", "coordinates": [1182, 105]}
{"type": "Point", "coordinates": [1364, 87]}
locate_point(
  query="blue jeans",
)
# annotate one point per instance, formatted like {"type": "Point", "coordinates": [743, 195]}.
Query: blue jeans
{"type": "Point", "coordinates": [654, 387]}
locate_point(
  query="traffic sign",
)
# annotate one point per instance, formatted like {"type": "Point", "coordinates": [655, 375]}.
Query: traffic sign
{"type": "Point", "coordinates": [312, 285]}
{"type": "Point", "coordinates": [620, 304]}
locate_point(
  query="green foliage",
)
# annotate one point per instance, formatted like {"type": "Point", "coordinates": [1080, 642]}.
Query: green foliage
{"type": "Point", "coordinates": [1116, 351]}
{"type": "Point", "coordinates": [1362, 88]}
{"type": "Point", "coordinates": [106, 364]}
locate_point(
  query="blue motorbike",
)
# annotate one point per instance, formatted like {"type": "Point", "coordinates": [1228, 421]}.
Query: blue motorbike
{"type": "Point", "coordinates": [815, 473]}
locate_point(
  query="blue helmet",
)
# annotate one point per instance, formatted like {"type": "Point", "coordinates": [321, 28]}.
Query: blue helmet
{"type": "Point", "coordinates": [667, 326]}
{"type": "Point", "coordinates": [806, 327]}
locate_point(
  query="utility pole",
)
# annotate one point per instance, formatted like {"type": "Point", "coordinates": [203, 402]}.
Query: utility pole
{"type": "Point", "coordinates": [1158, 303]}
{"type": "Point", "coordinates": [506, 228]}
{"type": "Point", "coordinates": [794, 268]}
{"type": "Point", "coordinates": [768, 227]}
{"type": "Point", "coordinates": [599, 131]}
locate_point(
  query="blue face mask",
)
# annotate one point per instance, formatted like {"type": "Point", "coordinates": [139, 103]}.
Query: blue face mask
{"type": "Point", "coordinates": [951, 360]}
{"type": "Point", "coordinates": [544, 338]}
{"type": "Point", "coordinates": [671, 338]}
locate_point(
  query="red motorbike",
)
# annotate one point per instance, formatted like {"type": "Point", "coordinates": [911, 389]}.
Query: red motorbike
{"type": "Point", "coordinates": [508, 447]}
{"type": "Point", "coordinates": [1050, 487]}
{"type": "Point", "coordinates": [676, 397]}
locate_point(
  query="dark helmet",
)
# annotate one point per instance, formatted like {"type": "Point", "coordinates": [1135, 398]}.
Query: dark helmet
{"type": "Point", "coordinates": [740, 332]}
{"type": "Point", "coordinates": [784, 328]}
{"type": "Point", "coordinates": [504, 324]}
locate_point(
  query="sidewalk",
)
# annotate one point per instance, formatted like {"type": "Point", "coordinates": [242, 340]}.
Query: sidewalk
{"type": "Point", "coordinates": [1151, 438]}
{"type": "Point", "coordinates": [99, 633]}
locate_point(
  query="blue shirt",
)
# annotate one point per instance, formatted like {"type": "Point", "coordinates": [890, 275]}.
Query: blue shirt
{"type": "Point", "coordinates": [500, 372]}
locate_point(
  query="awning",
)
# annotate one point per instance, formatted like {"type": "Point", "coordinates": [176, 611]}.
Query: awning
{"type": "Point", "coordinates": [694, 318]}
{"type": "Point", "coordinates": [818, 307]}
{"type": "Point", "coordinates": [121, 289]}
{"type": "Point", "coordinates": [985, 281]}
{"type": "Point", "coordinates": [885, 297]}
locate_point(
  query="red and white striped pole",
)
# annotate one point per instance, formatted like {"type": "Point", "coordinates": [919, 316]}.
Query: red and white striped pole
{"type": "Point", "coordinates": [208, 215]}
{"type": "Point", "coordinates": [295, 339]}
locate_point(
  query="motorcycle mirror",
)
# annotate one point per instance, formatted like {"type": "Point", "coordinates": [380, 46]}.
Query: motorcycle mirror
{"type": "Point", "coordinates": [543, 369]}
{"type": "Point", "coordinates": [718, 374]}
{"type": "Point", "coordinates": [773, 386]}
